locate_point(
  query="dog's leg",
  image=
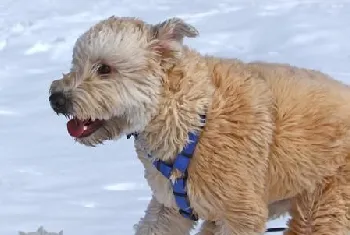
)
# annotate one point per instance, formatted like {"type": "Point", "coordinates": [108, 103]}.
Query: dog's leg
{"type": "Point", "coordinates": [225, 228]}
{"type": "Point", "coordinates": [161, 220]}
{"type": "Point", "coordinates": [276, 210]}
{"type": "Point", "coordinates": [246, 217]}
{"type": "Point", "coordinates": [322, 211]}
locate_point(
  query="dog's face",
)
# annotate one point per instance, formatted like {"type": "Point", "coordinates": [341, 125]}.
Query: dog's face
{"type": "Point", "coordinates": [115, 83]}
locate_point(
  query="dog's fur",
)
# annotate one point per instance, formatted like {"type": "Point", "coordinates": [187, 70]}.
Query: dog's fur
{"type": "Point", "coordinates": [276, 138]}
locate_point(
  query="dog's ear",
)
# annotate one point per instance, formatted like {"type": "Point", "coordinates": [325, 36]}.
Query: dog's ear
{"type": "Point", "coordinates": [170, 33]}
{"type": "Point", "coordinates": [174, 29]}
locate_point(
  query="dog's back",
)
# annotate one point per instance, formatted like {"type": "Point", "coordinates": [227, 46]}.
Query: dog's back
{"type": "Point", "coordinates": [311, 114]}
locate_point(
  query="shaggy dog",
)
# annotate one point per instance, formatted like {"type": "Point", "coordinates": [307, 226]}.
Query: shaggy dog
{"type": "Point", "coordinates": [276, 138]}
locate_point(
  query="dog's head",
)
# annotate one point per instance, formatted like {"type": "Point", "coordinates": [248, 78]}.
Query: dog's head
{"type": "Point", "coordinates": [116, 80]}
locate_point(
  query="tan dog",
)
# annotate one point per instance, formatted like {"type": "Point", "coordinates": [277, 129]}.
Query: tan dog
{"type": "Point", "coordinates": [273, 132]}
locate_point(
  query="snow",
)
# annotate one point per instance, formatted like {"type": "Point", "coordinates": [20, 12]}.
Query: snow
{"type": "Point", "coordinates": [47, 179]}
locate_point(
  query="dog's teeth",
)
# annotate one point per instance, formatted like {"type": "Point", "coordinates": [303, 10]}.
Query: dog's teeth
{"type": "Point", "coordinates": [85, 128]}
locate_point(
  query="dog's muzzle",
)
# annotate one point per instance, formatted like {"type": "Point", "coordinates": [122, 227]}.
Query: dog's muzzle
{"type": "Point", "coordinates": [59, 102]}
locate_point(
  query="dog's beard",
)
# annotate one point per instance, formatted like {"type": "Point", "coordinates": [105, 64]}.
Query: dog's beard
{"type": "Point", "coordinates": [93, 121]}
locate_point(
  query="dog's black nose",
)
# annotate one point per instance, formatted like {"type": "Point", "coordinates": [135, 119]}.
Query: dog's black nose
{"type": "Point", "coordinates": [58, 102]}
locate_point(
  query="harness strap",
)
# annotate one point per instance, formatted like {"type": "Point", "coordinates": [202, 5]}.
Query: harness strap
{"type": "Point", "coordinates": [163, 167]}
{"type": "Point", "coordinates": [181, 163]}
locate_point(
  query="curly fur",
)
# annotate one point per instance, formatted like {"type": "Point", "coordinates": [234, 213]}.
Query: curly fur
{"type": "Point", "coordinates": [276, 140]}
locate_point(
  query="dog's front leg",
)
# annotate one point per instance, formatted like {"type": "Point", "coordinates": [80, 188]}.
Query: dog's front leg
{"type": "Point", "coordinates": [161, 220]}
{"type": "Point", "coordinates": [222, 228]}
{"type": "Point", "coordinates": [211, 228]}
{"type": "Point", "coordinates": [226, 228]}
{"type": "Point", "coordinates": [276, 210]}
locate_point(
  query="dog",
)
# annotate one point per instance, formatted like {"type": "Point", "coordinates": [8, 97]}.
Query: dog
{"type": "Point", "coordinates": [269, 138]}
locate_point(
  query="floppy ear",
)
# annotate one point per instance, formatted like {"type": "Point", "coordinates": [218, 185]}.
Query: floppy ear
{"type": "Point", "coordinates": [170, 34]}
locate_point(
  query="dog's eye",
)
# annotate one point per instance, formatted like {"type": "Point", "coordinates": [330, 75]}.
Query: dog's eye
{"type": "Point", "coordinates": [104, 69]}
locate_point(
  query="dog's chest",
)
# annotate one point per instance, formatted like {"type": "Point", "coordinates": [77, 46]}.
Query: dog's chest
{"type": "Point", "coordinates": [161, 187]}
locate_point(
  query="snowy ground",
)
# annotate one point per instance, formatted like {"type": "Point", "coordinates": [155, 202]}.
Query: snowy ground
{"type": "Point", "coordinates": [47, 179]}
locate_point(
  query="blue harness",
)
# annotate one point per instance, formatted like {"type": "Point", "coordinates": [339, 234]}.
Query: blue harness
{"type": "Point", "coordinates": [181, 163]}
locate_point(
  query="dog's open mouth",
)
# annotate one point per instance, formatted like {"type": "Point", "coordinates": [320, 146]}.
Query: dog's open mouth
{"type": "Point", "coordinates": [83, 128]}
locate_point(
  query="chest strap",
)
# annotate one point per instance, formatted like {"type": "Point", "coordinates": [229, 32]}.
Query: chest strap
{"type": "Point", "coordinates": [181, 163]}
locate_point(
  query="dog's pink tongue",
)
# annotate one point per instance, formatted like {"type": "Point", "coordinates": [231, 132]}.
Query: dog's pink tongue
{"type": "Point", "coordinates": [75, 127]}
